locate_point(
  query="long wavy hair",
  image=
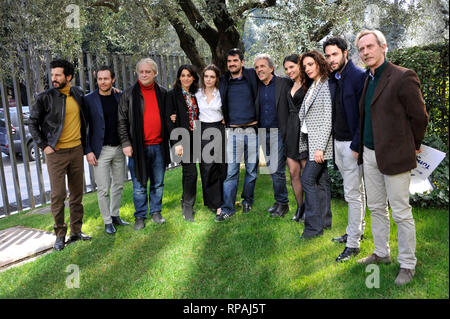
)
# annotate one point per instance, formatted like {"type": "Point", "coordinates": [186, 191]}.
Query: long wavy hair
{"type": "Point", "coordinates": [192, 70]}
{"type": "Point", "coordinates": [324, 68]}
{"type": "Point", "coordinates": [216, 70]}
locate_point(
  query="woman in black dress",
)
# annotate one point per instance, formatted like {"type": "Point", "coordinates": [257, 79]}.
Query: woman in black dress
{"type": "Point", "coordinates": [295, 160]}
{"type": "Point", "coordinates": [182, 104]}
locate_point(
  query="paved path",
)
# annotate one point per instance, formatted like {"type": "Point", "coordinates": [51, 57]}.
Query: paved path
{"type": "Point", "coordinates": [19, 243]}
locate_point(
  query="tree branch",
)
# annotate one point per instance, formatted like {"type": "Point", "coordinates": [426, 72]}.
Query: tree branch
{"type": "Point", "coordinates": [187, 42]}
{"type": "Point", "coordinates": [320, 33]}
{"type": "Point", "coordinates": [254, 5]}
{"type": "Point", "coordinates": [198, 22]}
{"type": "Point", "coordinates": [150, 18]}
{"type": "Point", "coordinates": [222, 18]}
{"type": "Point", "coordinates": [111, 4]}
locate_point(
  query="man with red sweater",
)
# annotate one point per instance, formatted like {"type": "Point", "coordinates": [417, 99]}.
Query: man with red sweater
{"type": "Point", "coordinates": [143, 134]}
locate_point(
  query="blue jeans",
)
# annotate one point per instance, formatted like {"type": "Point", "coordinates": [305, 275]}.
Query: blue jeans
{"type": "Point", "coordinates": [154, 164]}
{"type": "Point", "coordinates": [317, 201]}
{"type": "Point", "coordinates": [275, 153]}
{"type": "Point", "coordinates": [240, 141]}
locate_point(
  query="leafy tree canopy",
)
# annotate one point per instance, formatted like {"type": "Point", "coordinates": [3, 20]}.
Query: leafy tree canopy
{"type": "Point", "coordinates": [206, 28]}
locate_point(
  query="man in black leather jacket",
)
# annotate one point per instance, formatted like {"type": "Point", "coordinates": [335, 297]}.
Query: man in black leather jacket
{"type": "Point", "coordinates": [58, 127]}
{"type": "Point", "coordinates": [143, 133]}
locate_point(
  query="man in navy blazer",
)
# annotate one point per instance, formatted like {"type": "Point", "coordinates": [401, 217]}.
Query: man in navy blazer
{"type": "Point", "coordinates": [272, 114]}
{"type": "Point", "coordinates": [103, 150]}
{"type": "Point", "coordinates": [346, 84]}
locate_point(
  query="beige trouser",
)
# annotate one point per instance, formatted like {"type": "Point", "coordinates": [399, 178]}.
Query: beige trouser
{"type": "Point", "coordinates": [110, 172]}
{"type": "Point", "coordinates": [379, 189]}
{"type": "Point", "coordinates": [353, 191]}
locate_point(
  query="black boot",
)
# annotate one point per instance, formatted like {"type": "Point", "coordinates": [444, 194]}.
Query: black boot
{"type": "Point", "coordinates": [302, 213]}
{"type": "Point", "coordinates": [299, 214]}
{"type": "Point", "coordinates": [59, 243]}
{"type": "Point", "coordinates": [188, 213]}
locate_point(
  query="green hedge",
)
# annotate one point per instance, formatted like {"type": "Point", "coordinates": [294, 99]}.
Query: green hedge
{"type": "Point", "coordinates": [431, 65]}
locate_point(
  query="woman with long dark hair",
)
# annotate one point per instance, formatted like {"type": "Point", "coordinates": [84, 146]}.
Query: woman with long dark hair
{"type": "Point", "coordinates": [315, 137]}
{"type": "Point", "coordinates": [182, 105]}
{"type": "Point", "coordinates": [296, 161]}
{"type": "Point", "coordinates": [212, 166]}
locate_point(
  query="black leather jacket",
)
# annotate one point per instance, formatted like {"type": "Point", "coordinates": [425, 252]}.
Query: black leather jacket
{"type": "Point", "coordinates": [128, 133]}
{"type": "Point", "coordinates": [47, 116]}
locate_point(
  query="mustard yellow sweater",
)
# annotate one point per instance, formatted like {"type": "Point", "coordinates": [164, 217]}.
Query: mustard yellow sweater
{"type": "Point", "coordinates": [71, 133]}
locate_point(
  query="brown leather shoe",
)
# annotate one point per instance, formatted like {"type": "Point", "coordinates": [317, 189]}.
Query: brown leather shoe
{"type": "Point", "coordinates": [157, 218]}
{"type": "Point", "coordinates": [139, 223]}
{"type": "Point", "coordinates": [281, 210]}
{"type": "Point", "coordinates": [374, 259]}
{"type": "Point", "coordinates": [404, 276]}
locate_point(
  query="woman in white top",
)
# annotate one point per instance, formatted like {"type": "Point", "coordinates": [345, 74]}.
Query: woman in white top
{"type": "Point", "coordinates": [315, 126]}
{"type": "Point", "coordinates": [212, 167]}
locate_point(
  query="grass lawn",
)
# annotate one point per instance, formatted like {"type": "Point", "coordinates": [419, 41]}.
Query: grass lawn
{"type": "Point", "coordinates": [247, 256]}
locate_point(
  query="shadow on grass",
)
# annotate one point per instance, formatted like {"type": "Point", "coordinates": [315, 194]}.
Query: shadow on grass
{"type": "Point", "coordinates": [247, 256]}
{"type": "Point", "coordinates": [231, 263]}
{"type": "Point", "coordinates": [251, 256]}
{"type": "Point", "coordinates": [107, 264]}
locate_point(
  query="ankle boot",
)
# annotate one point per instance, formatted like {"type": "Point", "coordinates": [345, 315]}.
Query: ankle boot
{"type": "Point", "coordinates": [299, 214]}
{"type": "Point", "coordinates": [302, 213]}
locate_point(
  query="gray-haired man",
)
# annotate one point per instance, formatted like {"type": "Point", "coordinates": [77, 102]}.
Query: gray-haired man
{"type": "Point", "coordinates": [144, 137]}
{"type": "Point", "coordinates": [272, 113]}
{"type": "Point", "coordinates": [393, 125]}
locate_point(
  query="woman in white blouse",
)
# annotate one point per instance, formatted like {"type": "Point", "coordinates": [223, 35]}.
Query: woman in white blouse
{"type": "Point", "coordinates": [212, 167]}
{"type": "Point", "coordinates": [315, 136]}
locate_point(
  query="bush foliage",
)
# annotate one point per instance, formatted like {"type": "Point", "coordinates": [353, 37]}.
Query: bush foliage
{"type": "Point", "coordinates": [431, 63]}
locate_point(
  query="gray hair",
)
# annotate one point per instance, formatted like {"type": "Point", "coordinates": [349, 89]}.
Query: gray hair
{"type": "Point", "coordinates": [150, 62]}
{"type": "Point", "coordinates": [379, 36]}
{"type": "Point", "coordinates": [265, 57]}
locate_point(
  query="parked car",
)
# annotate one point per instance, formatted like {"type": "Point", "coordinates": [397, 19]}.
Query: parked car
{"type": "Point", "coordinates": [16, 133]}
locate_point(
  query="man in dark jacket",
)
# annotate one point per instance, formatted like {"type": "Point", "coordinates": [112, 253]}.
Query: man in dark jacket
{"type": "Point", "coordinates": [272, 114]}
{"type": "Point", "coordinates": [57, 124]}
{"type": "Point", "coordinates": [346, 84]}
{"type": "Point", "coordinates": [238, 91]}
{"type": "Point", "coordinates": [143, 134]}
{"type": "Point", "coordinates": [393, 125]}
{"type": "Point", "coordinates": [103, 150]}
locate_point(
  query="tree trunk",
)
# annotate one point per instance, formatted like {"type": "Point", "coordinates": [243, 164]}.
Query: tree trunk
{"type": "Point", "coordinates": [227, 41]}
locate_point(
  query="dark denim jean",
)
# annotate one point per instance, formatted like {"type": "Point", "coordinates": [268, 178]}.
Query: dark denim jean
{"type": "Point", "coordinates": [274, 152]}
{"type": "Point", "coordinates": [314, 181]}
{"type": "Point", "coordinates": [154, 163]}
{"type": "Point", "coordinates": [240, 141]}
